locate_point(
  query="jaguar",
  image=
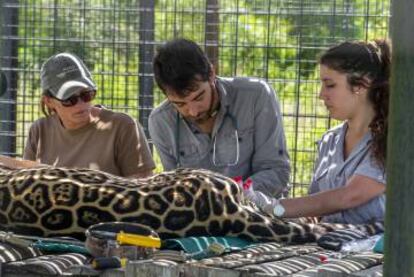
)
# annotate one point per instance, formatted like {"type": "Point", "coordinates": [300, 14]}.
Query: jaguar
{"type": "Point", "coordinates": [51, 201]}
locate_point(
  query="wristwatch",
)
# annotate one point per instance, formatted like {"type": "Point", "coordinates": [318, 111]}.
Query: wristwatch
{"type": "Point", "coordinates": [278, 209]}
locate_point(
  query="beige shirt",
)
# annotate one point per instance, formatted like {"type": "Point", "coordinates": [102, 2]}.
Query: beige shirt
{"type": "Point", "coordinates": [112, 142]}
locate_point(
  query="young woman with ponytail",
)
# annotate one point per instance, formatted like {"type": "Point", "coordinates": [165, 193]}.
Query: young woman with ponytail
{"type": "Point", "coordinates": [349, 180]}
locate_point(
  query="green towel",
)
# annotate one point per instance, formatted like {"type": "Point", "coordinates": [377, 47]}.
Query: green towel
{"type": "Point", "coordinates": [201, 247]}
{"type": "Point", "coordinates": [379, 246]}
{"type": "Point", "coordinates": [55, 248]}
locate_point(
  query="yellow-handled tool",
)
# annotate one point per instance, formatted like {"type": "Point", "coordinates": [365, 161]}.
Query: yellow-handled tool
{"type": "Point", "coordinates": [143, 241]}
{"type": "Point", "coordinates": [127, 238]}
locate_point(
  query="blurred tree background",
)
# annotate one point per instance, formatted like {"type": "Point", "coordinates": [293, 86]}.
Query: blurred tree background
{"type": "Point", "coordinates": [278, 40]}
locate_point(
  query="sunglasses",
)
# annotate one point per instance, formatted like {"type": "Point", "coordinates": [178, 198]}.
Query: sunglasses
{"type": "Point", "coordinates": [85, 96]}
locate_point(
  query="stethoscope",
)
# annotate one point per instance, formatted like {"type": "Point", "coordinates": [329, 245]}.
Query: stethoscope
{"type": "Point", "coordinates": [235, 125]}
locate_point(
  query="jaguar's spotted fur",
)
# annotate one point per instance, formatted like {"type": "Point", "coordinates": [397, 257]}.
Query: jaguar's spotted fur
{"type": "Point", "coordinates": [186, 202]}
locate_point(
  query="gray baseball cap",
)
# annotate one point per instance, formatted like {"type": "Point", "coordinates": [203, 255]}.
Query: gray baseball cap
{"type": "Point", "coordinates": [65, 74]}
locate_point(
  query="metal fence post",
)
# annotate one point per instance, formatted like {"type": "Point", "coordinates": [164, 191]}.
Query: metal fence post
{"type": "Point", "coordinates": [399, 241]}
{"type": "Point", "coordinates": [8, 47]}
{"type": "Point", "coordinates": [146, 53]}
{"type": "Point", "coordinates": [212, 33]}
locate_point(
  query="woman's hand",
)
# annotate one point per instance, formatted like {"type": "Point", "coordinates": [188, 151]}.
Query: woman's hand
{"type": "Point", "coordinates": [262, 201]}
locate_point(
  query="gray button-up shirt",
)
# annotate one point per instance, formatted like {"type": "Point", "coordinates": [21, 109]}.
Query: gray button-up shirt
{"type": "Point", "coordinates": [247, 105]}
{"type": "Point", "coordinates": [332, 171]}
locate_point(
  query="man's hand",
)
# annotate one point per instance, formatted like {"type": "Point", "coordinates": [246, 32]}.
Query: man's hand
{"type": "Point", "coordinates": [247, 188]}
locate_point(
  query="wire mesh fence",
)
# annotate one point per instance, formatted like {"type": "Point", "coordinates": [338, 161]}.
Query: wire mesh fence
{"type": "Point", "coordinates": [278, 40]}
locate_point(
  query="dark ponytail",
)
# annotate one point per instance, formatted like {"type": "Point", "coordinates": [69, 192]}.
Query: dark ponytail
{"type": "Point", "coordinates": [379, 96]}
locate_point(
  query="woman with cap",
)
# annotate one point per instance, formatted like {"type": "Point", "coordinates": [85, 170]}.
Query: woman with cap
{"type": "Point", "coordinates": [74, 133]}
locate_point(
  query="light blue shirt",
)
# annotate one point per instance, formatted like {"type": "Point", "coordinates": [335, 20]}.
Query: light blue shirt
{"type": "Point", "coordinates": [332, 171]}
{"type": "Point", "coordinates": [250, 104]}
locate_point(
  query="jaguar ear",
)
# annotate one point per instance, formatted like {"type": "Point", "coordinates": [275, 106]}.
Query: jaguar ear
{"type": "Point", "coordinates": [3, 83]}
